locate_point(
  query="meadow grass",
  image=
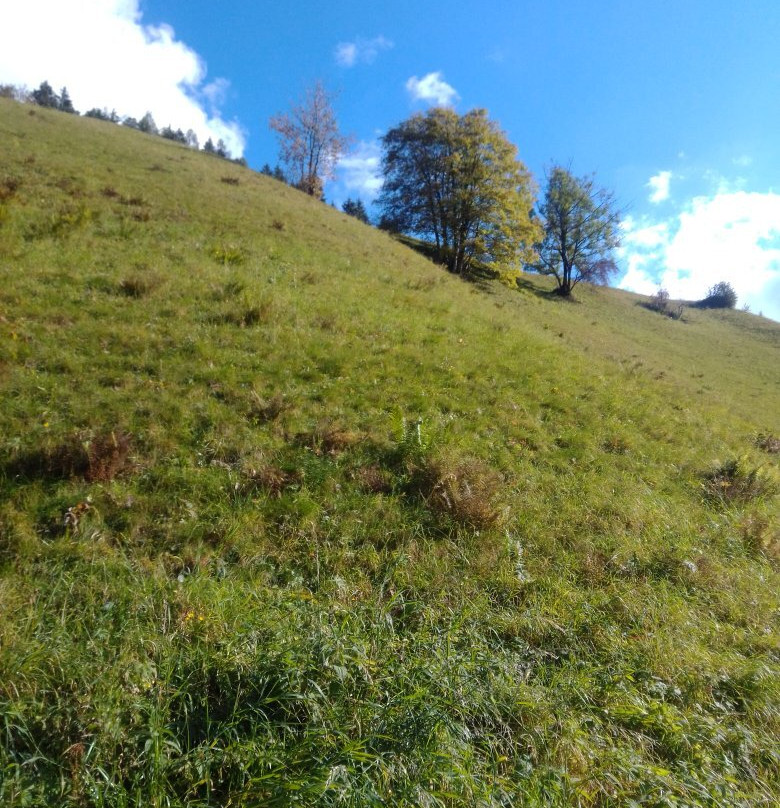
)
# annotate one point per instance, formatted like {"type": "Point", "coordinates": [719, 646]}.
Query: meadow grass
{"type": "Point", "coordinates": [290, 516]}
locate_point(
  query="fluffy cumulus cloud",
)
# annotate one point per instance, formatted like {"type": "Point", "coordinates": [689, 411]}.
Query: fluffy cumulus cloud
{"type": "Point", "coordinates": [432, 89]}
{"type": "Point", "coordinates": [361, 51]}
{"type": "Point", "coordinates": [659, 186]}
{"type": "Point", "coordinates": [360, 170]}
{"type": "Point", "coordinates": [107, 57]}
{"type": "Point", "coordinates": [731, 235]}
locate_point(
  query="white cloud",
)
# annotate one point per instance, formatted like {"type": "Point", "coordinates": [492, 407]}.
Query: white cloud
{"type": "Point", "coordinates": [659, 186]}
{"type": "Point", "coordinates": [743, 161]}
{"type": "Point", "coordinates": [348, 54]}
{"type": "Point", "coordinates": [105, 55]}
{"type": "Point", "coordinates": [432, 89]}
{"type": "Point", "coordinates": [360, 171]}
{"type": "Point", "coordinates": [731, 236]}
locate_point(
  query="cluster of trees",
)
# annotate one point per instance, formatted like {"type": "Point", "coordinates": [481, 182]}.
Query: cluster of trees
{"type": "Point", "coordinates": [456, 182]}
{"type": "Point", "coordinates": [45, 96]}
{"type": "Point", "coordinates": [356, 208]}
{"type": "Point", "coordinates": [452, 180]}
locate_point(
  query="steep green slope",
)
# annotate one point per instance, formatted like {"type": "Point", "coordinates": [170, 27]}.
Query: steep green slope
{"type": "Point", "coordinates": [288, 515]}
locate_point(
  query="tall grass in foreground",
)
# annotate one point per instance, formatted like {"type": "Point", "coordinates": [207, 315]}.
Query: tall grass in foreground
{"type": "Point", "coordinates": [289, 516]}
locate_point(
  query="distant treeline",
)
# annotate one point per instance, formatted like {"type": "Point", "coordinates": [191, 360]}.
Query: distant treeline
{"type": "Point", "coordinates": [45, 96]}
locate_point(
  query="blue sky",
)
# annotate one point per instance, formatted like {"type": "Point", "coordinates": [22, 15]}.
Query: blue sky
{"type": "Point", "coordinates": [674, 105]}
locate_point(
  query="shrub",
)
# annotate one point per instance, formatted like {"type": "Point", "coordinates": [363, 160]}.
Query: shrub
{"type": "Point", "coordinates": [659, 301]}
{"type": "Point", "coordinates": [464, 490]}
{"type": "Point", "coordinates": [720, 296]}
{"type": "Point", "coordinates": [736, 481]}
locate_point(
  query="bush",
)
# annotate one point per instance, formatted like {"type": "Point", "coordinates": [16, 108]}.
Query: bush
{"type": "Point", "coordinates": [659, 301]}
{"type": "Point", "coordinates": [720, 296]}
{"type": "Point", "coordinates": [737, 480]}
{"type": "Point", "coordinates": [464, 490]}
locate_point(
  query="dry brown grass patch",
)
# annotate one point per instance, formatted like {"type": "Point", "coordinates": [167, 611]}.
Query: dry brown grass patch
{"type": "Point", "coordinates": [374, 479]}
{"type": "Point", "coordinates": [465, 490]}
{"type": "Point", "coordinates": [329, 439]}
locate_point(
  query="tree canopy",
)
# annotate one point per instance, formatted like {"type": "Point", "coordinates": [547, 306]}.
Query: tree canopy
{"type": "Point", "coordinates": [45, 96]}
{"type": "Point", "coordinates": [310, 141]}
{"type": "Point", "coordinates": [356, 208]}
{"type": "Point", "coordinates": [456, 180]}
{"type": "Point", "coordinates": [580, 231]}
{"type": "Point", "coordinates": [719, 296]}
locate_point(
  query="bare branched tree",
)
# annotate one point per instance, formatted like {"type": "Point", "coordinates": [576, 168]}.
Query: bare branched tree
{"type": "Point", "coordinates": [309, 139]}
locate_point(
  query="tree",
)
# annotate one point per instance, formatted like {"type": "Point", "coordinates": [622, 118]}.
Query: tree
{"type": "Point", "coordinates": [66, 105]}
{"type": "Point", "coordinates": [45, 96]}
{"type": "Point", "coordinates": [720, 296]}
{"type": "Point", "coordinates": [208, 146]}
{"type": "Point", "coordinates": [192, 139]}
{"type": "Point", "coordinates": [310, 142]}
{"type": "Point", "coordinates": [581, 229]}
{"type": "Point", "coordinates": [147, 124]}
{"type": "Point", "coordinates": [96, 112]}
{"type": "Point", "coordinates": [356, 208]}
{"type": "Point", "coordinates": [456, 180]}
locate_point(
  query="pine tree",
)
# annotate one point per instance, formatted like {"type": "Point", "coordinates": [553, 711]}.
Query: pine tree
{"type": "Point", "coordinates": [66, 105]}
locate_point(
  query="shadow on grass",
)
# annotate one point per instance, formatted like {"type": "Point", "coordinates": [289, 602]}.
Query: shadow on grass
{"type": "Point", "coordinates": [479, 274]}
{"type": "Point", "coordinates": [99, 459]}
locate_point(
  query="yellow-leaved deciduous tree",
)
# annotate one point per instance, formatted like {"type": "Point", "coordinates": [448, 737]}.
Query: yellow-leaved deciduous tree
{"type": "Point", "coordinates": [456, 180]}
{"type": "Point", "coordinates": [310, 142]}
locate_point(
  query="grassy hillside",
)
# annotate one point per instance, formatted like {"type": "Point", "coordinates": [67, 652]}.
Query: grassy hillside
{"type": "Point", "coordinates": [290, 516]}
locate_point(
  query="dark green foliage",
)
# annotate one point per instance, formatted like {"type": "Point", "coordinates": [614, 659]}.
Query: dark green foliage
{"type": "Point", "coordinates": [209, 147]}
{"type": "Point", "coordinates": [45, 96]}
{"type": "Point", "coordinates": [102, 114]}
{"type": "Point", "coordinates": [356, 208]}
{"type": "Point", "coordinates": [173, 134]}
{"type": "Point", "coordinates": [720, 296]}
{"type": "Point", "coordinates": [65, 103]}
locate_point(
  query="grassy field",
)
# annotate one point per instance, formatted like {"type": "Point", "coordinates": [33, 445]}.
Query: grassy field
{"type": "Point", "coordinates": [290, 516]}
